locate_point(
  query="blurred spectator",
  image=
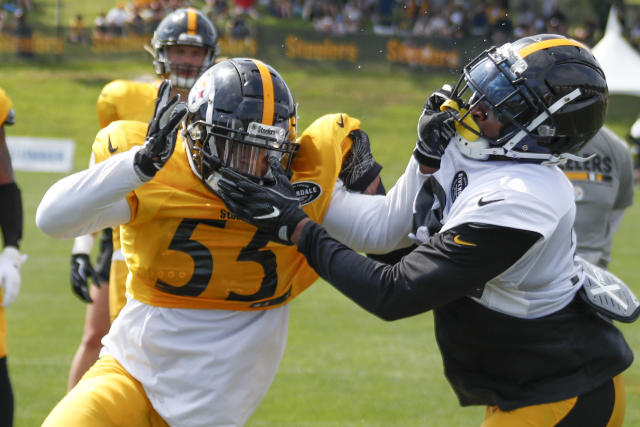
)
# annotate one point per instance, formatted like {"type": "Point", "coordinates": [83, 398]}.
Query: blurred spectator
{"type": "Point", "coordinates": [116, 19]}
{"type": "Point", "coordinates": [246, 7]}
{"type": "Point", "coordinates": [153, 15]}
{"type": "Point", "coordinates": [479, 20]}
{"type": "Point", "coordinates": [548, 7]}
{"type": "Point", "coordinates": [171, 5]}
{"type": "Point", "coordinates": [281, 8]}
{"type": "Point", "coordinates": [353, 16]}
{"type": "Point", "coordinates": [312, 10]}
{"type": "Point", "coordinates": [503, 28]}
{"type": "Point", "coordinates": [556, 22]}
{"type": "Point", "coordinates": [525, 21]}
{"type": "Point", "coordinates": [588, 33]}
{"type": "Point", "coordinates": [78, 31]}
{"type": "Point", "coordinates": [238, 28]}
{"type": "Point", "coordinates": [634, 33]}
{"type": "Point", "coordinates": [634, 136]}
{"type": "Point", "coordinates": [100, 28]}
{"type": "Point", "coordinates": [219, 14]}
{"type": "Point", "coordinates": [3, 21]}
{"type": "Point", "coordinates": [136, 22]}
{"type": "Point", "coordinates": [24, 34]}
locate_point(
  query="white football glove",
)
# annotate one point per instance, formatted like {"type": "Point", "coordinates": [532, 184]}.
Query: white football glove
{"type": "Point", "coordinates": [10, 261]}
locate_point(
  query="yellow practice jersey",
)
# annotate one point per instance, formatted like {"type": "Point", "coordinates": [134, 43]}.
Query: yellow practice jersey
{"type": "Point", "coordinates": [126, 100]}
{"type": "Point", "coordinates": [185, 249]}
{"type": "Point", "coordinates": [6, 109]}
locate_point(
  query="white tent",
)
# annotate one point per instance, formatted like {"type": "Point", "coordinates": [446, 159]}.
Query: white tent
{"type": "Point", "coordinates": [620, 61]}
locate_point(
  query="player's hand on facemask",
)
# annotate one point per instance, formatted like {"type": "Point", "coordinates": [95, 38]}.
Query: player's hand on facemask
{"type": "Point", "coordinates": [359, 168]}
{"type": "Point", "coordinates": [435, 129]}
{"type": "Point", "coordinates": [10, 262]}
{"type": "Point", "coordinates": [81, 272]}
{"type": "Point", "coordinates": [274, 209]}
{"type": "Point", "coordinates": [161, 133]}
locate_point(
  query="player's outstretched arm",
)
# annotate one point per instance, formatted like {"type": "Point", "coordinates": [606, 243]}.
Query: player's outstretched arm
{"type": "Point", "coordinates": [94, 199]}
{"type": "Point", "coordinates": [89, 200]}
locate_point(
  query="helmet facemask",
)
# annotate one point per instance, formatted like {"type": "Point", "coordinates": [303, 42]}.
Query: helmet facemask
{"type": "Point", "coordinates": [182, 76]}
{"type": "Point", "coordinates": [227, 144]}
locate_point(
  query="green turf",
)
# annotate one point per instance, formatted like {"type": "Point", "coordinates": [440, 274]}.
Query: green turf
{"type": "Point", "coordinates": [342, 367]}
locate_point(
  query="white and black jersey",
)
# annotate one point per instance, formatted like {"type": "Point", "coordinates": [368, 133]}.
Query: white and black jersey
{"type": "Point", "coordinates": [495, 263]}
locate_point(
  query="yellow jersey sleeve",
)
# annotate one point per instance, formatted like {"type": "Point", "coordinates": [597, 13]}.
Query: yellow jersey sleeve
{"type": "Point", "coordinates": [6, 109]}
{"type": "Point", "coordinates": [323, 147]}
{"type": "Point", "coordinates": [126, 100]}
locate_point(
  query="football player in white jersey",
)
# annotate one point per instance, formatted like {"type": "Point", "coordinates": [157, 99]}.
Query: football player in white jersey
{"type": "Point", "coordinates": [495, 255]}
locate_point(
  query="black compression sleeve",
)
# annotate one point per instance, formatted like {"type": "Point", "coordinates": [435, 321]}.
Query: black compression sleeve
{"type": "Point", "coordinates": [450, 265]}
{"type": "Point", "coordinates": [11, 214]}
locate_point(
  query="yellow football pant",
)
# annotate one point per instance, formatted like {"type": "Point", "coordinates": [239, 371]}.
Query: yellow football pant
{"type": "Point", "coordinates": [105, 396]}
{"type": "Point", "coordinates": [551, 414]}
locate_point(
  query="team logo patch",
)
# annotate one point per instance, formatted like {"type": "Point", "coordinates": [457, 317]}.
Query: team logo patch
{"type": "Point", "coordinates": [307, 191]}
{"type": "Point", "coordinates": [459, 183]}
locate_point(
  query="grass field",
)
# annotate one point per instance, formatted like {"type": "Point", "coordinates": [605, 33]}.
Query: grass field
{"type": "Point", "coordinates": [342, 367]}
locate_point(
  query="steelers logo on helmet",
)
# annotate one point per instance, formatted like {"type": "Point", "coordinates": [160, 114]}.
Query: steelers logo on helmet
{"type": "Point", "coordinates": [183, 27]}
{"type": "Point", "coordinates": [241, 112]}
{"type": "Point", "coordinates": [547, 91]}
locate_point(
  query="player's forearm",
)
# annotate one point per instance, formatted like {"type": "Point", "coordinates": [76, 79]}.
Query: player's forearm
{"type": "Point", "coordinates": [374, 224]}
{"type": "Point", "coordinates": [89, 200]}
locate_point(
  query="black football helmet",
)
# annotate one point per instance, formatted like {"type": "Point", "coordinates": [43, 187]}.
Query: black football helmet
{"type": "Point", "coordinates": [240, 112]}
{"type": "Point", "coordinates": [187, 27]}
{"type": "Point", "coordinates": [548, 91]}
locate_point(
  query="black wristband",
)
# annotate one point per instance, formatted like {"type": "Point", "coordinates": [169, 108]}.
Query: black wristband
{"type": "Point", "coordinates": [431, 162]}
{"type": "Point", "coordinates": [11, 214]}
{"type": "Point", "coordinates": [361, 184]}
{"type": "Point", "coordinates": [144, 165]}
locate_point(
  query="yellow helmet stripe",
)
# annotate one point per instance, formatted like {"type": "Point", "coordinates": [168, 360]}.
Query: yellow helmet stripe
{"type": "Point", "coordinates": [545, 44]}
{"type": "Point", "coordinates": [267, 93]}
{"type": "Point", "coordinates": [192, 22]}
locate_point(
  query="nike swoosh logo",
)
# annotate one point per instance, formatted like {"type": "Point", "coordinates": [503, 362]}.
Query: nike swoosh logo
{"type": "Point", "coordinates": [459, 241]}
{"type": "Point", "coordinates": [112, 149]}
{"type": "Point", "coordinates": [341, 122]}
{"type": "Point", "coordinates": [486, 202]}
{"type": "Point", "coordinates": [273, 214]}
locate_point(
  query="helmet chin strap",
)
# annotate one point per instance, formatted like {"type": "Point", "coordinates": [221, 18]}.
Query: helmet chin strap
{"type": "Point", "coordinates": [481, 149]}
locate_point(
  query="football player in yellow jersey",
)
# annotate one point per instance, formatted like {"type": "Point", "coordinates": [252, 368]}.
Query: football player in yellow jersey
{"type": "Point", "coordinates": [205, 324]}
{"type": "Point", "coordinates": [183, 46]}
{"type": "Point", "coordinates": [10, 258]}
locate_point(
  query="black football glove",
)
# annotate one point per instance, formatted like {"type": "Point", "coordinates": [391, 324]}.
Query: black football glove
{"type": "Point", "coordinates": [161, 134]}
{"type": "Point", "coordinates": [274, 209]}
{"type": "Point", "coordinates": [359, 168]}
{"type": "Point", "coordinates": [435, 129]}
{"type": "Point", "coordinates": [81, 271]}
